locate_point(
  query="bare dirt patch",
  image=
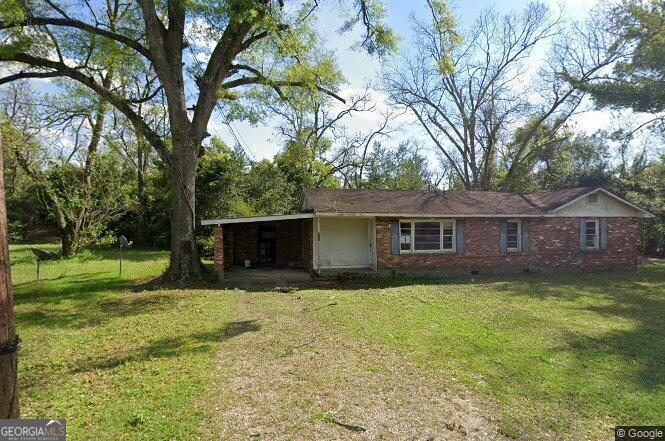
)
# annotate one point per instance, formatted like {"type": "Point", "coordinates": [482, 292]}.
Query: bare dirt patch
{"type": "Point", "coordinates": [294, 377]}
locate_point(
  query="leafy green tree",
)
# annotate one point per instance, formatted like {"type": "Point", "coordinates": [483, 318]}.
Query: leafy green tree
{"type": "Point", "coordinates": [577, 161]}
{"type": "Point", "coordinates": [158, 212]}
{"type": "Point", "coordinates": [25, 210]}
{"type": "Point", "coordinates": [69, 180]}
{"type": "Point", "coordinates": [647, 189]}
{"type": "Point", "coordinates": [245, 44]}
{"type": "Point", "coordinates": [403, 168]}
{"type": "Point", "coordinates": [126, 138]}
{"type": "Point", "coordinates": [638, 80]}
{"type": "Point", "coordinates": [269, 190]}
{"type": "Point", "coordinates": [303, 167]}
{"type": "Point", "coordinates": [561, 159]}
{"type": "Point", "coordinates": [219, 182]}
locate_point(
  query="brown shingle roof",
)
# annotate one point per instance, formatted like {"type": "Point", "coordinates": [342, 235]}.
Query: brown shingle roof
{"type": "Point", "coordinates": [326, 200]}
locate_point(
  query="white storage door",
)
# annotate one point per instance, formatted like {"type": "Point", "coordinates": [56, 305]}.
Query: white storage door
{"type": "Point", "coordinates": [344, 243]}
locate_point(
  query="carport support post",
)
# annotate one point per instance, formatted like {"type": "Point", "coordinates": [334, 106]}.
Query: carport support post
{"type": "Point", "coordinates": [219, 250]}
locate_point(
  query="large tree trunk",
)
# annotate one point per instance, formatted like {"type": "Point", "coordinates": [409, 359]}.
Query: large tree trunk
{"type": "Point", "coordinates": [185, 263]}
{"type": "Point", "coordinates": [70, 242]}
{"type": "Point", "coordinates": [8, 356]}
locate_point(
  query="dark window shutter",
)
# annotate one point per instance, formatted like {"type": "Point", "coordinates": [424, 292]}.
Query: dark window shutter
{"type": "Point", "coordinates": [582, 234]}
{"type": "Point", "coordinates": [459, 233]}
{"type": "Point", "coordinates": [394, 231]}
{"type": "Point", "coordinates": [603, 234]}
{"type": "Point", "coordinates": [526, 223]}
{"type": "Point", "coordinates": [503, 229]}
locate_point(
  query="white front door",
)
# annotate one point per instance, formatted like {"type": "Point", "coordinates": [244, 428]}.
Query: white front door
{"type": "Point", "coordinates": [344, 242]}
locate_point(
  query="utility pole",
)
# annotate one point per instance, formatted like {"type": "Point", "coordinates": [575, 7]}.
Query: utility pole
{"type": "Point", "coordinates": [9, 341]}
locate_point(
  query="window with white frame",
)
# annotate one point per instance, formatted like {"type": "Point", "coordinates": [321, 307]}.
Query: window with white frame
{"type": "Point", "coordinates": [513, 234]}
{"type": "Point", "coordinates": [405, 236]}
{"type": "Point", "coordinates": [427, 236]}
{"type": "Point", "coordinates": [591, 234]}
{"type": "Point", "coordinates": [448, 235]}
{"type": "Point", "coordinates": [592, 198]}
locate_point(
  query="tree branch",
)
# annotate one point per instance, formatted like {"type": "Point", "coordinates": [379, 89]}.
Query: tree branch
{"type": "Point", "coordinates": [77, 24]}
{"type": "Point", "coordinates": [75, 74]}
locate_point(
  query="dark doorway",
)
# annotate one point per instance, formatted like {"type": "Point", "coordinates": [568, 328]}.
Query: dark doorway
{"type": "Point", "coordinates": [267, 241]}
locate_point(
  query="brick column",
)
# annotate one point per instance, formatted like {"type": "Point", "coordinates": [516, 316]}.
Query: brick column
{"type": "Point", "coordinates": [219, 250]}
{"type": "Point", "coordinates": [228, 247]}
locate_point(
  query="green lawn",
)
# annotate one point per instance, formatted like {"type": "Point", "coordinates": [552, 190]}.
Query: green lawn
{"type": "Point", "coordinates": [545, 356]}
{"type": "Point", "coordinates": [117, 364]}
{"type": "Point", "coordinates": [564, 354]}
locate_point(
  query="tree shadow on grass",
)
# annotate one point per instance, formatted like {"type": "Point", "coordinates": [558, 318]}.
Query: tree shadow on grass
{"type": "Point", "coordinates": [44, 287]}
{"type": "Point", "coordinates": [84, 301]}
{"type": "Point", "coordinates": [175, 346]}
{"type": "Point", "coordinates": [632, 309]}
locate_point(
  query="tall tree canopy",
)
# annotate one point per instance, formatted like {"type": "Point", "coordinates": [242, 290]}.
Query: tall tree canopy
{"type": "Point", "coordinates": [638, 80]}
{"type": "Point", "coordinates": [470, 88]}
{"type": "Point", "coordinates": [196, 53]}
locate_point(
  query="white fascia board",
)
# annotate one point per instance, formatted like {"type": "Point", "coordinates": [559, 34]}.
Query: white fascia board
{"type": "Point", "coordinates": [242, 220]}
{"type": "Point", "coordinates": [609, 193]}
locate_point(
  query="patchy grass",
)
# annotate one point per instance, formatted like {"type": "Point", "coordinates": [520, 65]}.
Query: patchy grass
{"type": "Point", "coordinates": [296, 377]}
{"type": "Point", "coordinates": [532, 357]}
{"type": "Point", "coordinates": [565, 356]}
{"type": "Point", "coordinates": [117, 364]}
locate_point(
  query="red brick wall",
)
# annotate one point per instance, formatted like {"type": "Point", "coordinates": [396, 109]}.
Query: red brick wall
{"type": "Point", "coordinates": [292, 248]}
{"type": "Point", "coordinates": [553, 245]}
{"type": "Point", "coordinates": [308, 243]}
{"type": "Point", "coordinates": [228, 246]}
{"type": "Point", "coordinates": [219, 260]}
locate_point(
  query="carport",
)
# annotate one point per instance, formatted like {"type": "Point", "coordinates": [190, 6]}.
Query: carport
{"type": "Point", "coordinates": [314, 243]}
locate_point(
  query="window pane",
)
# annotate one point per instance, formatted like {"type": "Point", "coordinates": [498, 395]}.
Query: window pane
{"type": "Point", "coordinates": [427, 236]}
{"type": "Point", "coordinates": [512, 235]}
{"type": "Point", "coordinates": [591, 234]}
{"type": "Point", "coordinates": [405, 233]}
{"type": "Point", "coordinates": [448, 231]}
{"type": "Point", "coordinates": [447, 242]}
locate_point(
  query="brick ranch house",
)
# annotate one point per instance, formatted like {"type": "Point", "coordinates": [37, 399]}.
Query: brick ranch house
{"type": "Point", "coordinates": [445, 231]}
